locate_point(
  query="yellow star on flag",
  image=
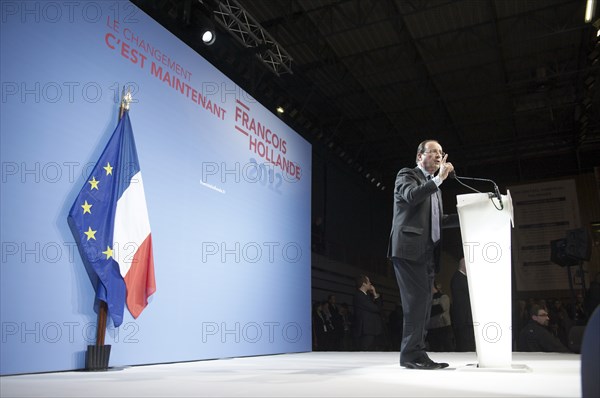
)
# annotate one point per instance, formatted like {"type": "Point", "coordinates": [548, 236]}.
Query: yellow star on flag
{"type": "Point", "coordinates": [93, 183]}
{"type": "Point", "coordinates": [86, 207]}
{"type": "Point", "coordinates": [90, 234]}
{"type": "Point", "coordinates": [108, 168]}
{"type": "Point", "coordinates": [108, 252]}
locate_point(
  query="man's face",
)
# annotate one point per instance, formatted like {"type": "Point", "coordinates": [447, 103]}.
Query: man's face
{"type": "Point", "coordinates": [541, 318]}
{"type": "Point", "coordinates": [432, 157]}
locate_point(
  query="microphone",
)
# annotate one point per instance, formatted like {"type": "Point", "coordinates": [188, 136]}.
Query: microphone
{"type": "Point", "coordinates": [496, 190]}
{"type": "Point", "coordinates": [498, 196]}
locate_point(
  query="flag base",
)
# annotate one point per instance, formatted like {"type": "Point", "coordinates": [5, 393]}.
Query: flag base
{"type": "Point", "coordinates": [96, 357]}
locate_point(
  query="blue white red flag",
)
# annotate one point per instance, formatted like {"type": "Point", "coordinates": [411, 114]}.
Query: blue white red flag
{"type": "Point", "coordinates": [109, 220]}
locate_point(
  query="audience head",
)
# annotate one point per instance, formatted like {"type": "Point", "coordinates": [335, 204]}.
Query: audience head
{"type": "Point", "coordinates": [362, 282]}
{"type": "Point", "coordinates": [539, 314]}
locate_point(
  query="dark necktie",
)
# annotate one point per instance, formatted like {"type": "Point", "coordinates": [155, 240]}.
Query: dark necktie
{"type": "Point", "coordinates": [435, 216]}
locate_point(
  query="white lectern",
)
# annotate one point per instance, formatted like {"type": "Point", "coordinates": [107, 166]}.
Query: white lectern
{"type": "Point", "coordinates": [485, 225]}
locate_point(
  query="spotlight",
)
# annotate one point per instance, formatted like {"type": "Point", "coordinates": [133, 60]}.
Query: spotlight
{"type": "Point", "coordinates": [208, 36]}
{"type": "Point", "coordinates": [206, 27]}
{"type": "Point", "coordinates": [589, 10]}
{"type": "Point", "coordinates": [280, 110]}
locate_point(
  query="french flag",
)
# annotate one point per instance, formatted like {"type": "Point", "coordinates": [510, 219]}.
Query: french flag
{"type": "Point", "coordinates": [132, 234]}
{"type": "Point", "coordinates": [109, 220]}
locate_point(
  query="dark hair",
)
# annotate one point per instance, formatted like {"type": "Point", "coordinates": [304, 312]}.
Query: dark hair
{"type": "Point", "coordinates": [533, 311]}
{"type": "Point", "coordinates": [359, 280]}
{"type": "Point", "coordinates": [421, 148]}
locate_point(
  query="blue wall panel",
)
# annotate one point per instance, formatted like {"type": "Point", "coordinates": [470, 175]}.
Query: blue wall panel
{"type": "Point", "coordinates": [230, 224]}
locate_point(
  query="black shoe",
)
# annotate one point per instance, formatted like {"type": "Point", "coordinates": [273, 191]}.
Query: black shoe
{"type": "Point", "coordinates": [424, 364]}
{"type": "Point", "coordinates": [427, 359]}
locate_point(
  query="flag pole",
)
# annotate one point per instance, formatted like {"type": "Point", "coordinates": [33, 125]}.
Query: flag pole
{"type": "Point", "coordinates": [97, 356]}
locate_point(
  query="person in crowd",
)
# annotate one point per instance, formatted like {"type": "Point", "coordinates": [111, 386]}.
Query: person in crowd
{"type": "Point", "coordinates": [347, 319]}
{"type": "Point", "coordinates": [439, 328]}
{"type": "Point", "coordinates": [462, 317]}
{"type": "Point", "coordinates": [336, 322]}
{"type": "Point", "coordinates": [536, 337]}
{"type": "Point", "coordinates": [560, 321]}
{"type": "Point", "coordinates": [578, 311]}
{"type": "Point", "coordinates": [414, 246]}
{"type": "Point", "coordinates": [367, 313]}
{"type": "Point", "coordinates": [321, 328]}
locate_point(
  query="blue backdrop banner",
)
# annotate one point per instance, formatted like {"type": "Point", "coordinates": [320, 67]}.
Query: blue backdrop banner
{"type": "Point", "coordinates": [226, 182]}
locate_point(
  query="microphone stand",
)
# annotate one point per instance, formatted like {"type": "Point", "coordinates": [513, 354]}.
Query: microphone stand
{"type": "Point", "coordinates": [491, 195]}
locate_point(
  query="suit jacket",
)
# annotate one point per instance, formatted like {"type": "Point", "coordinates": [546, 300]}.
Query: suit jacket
{"type": "Point", "coordinates": [535, 338]}
{"type": "Point", "coordinates": [367, 314]}
{"type": "Point", "coordinates": [411, 224]}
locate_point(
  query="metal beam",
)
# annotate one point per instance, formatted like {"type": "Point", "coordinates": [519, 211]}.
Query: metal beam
{"type": "Point", "coordinates": [250, 34]}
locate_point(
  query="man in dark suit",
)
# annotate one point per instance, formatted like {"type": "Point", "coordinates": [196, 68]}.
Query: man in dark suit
{"type": "Point", "coordinates": [535, 336]}
{"type": "Point", "coordinates": [367, 313]}
{"type": "Point", "coordinates": [414, 246]}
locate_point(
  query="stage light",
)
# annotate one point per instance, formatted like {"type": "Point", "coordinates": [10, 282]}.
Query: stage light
{"type": "Point", "coordinates": [207, 27]}
{"type": "Point", "coordinates": [280, 110]}
{"type": "Point", "coordinates": [208, 37]}
{"type": "Point", "coordinates": [589, 10]}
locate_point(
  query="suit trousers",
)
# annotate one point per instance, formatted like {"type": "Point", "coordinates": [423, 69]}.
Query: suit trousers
{"type": "Point", "coordinates": [415, 282]}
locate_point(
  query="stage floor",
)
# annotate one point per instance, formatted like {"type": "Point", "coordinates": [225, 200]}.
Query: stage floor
{"type": "Point", "coordinates": [331, 374]}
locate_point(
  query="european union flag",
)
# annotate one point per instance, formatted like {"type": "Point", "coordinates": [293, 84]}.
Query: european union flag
{"type": "Point", "coordinates": [109, 217]}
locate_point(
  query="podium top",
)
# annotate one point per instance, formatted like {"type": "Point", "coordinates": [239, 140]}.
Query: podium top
{"type": "Point", "coordinates": [474, 199]}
